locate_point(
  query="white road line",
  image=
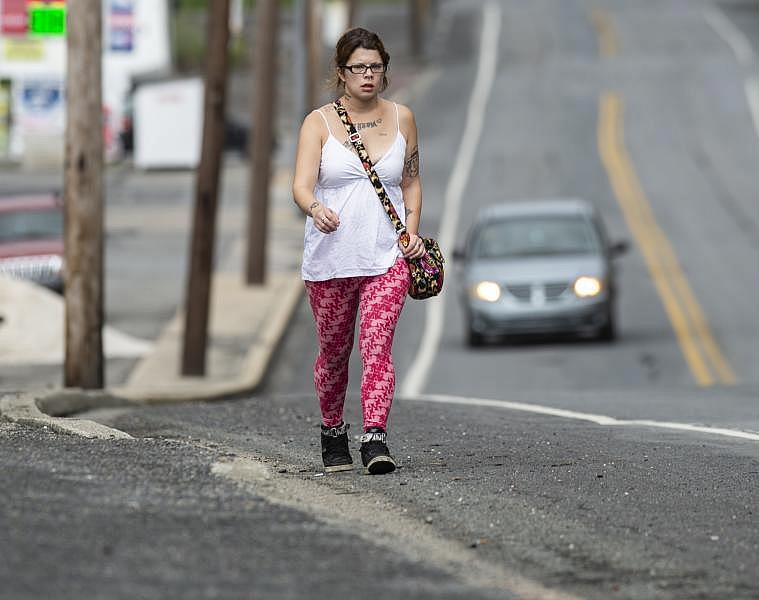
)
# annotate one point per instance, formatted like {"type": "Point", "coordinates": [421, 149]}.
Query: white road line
{"type": "Point", "coordinates": [744, 53]}
{"type": "Point", "coordinates": [488, 62]}
{"type": "Point", "coordinates": [420, 86]}
{"type": "Point", "coordinates": [570, 414]}
{"type": "Point", "coordinates": [732, 36]}
{"type": "Point", "coordinates": [752, 93]}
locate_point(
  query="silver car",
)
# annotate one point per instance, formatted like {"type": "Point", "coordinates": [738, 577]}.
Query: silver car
{"type": "Point", "coordinates": [541, 266]}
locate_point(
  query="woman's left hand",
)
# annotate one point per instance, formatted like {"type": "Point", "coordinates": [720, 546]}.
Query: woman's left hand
{"type": "Point", "coordinates": [415, 248]}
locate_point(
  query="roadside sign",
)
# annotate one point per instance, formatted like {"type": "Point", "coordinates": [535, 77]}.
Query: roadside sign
{"type": "Point", "coordinates": [121, 26]}
{"type": "Point", "coordinates": [38, 18]}
{"type": "Point", "coordinates": [13, 19]}
{"type": "Point", "coordinates": [23, 49]}
{"type": "Point", "coordinates": [42, 97]}
{"type": "Point", "coordinates": [47, 18]}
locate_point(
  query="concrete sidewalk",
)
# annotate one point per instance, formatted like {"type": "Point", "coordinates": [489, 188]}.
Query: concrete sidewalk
{"type": "Point", "coordinates": [245, 322]}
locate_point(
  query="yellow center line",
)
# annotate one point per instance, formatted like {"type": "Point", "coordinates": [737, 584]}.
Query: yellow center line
{"type": "Point", "coordinates": [607, 39]}
{"type": "Point", "coordinates": [700, 349]}
{"type": "Point", "coordinates": [700, 323]}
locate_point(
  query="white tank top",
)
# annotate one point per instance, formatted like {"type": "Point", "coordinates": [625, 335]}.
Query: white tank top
{"type": "Point", "coordinates": [365, 243]}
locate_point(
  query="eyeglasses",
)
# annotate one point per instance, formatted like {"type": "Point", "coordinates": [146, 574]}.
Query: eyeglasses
{"type": "Point", "coordinates": [361, 69]}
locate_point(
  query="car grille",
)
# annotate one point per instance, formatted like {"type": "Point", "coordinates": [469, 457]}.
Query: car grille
{"type": "Point", "coordinates": [554, 290]}
{"type": "Point", "coordinates": [550, 291]}
{"type": "Point", "coordinates": [520, 292]}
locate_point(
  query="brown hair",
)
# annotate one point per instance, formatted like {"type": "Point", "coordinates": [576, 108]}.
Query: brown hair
{"type": "Point", "coordinates": [358, 37]}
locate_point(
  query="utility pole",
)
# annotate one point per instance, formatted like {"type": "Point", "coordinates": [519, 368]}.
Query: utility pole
{"type": "Point", "coordinates": [300, 61]}
{"type": "Point", "coordinates": [206, 192]}
{"type": "Point", "coordinates": [415, 28]}
{"type": "Point", "coordinates": [313, 42]}
{"type": "Point", "coordinates": [83, 193]}
{"type": "Point", "coordinates": [352, 13]}
{"type": "Point", "coordinates": [262, 125]}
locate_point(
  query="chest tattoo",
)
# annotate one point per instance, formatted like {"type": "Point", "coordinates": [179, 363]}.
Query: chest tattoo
{"type": "Point", "coordinates": [368, 124]}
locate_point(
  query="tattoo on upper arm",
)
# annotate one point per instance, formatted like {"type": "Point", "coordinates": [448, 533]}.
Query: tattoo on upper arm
{"type": "Point", "coordinates": [411, 166]}
{"type": "Point", "coordinates": [409, 212]}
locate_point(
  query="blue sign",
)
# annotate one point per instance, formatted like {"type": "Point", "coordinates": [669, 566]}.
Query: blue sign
{"type": "Point", "coordinates": [121, 29]}
{"type": "Point", "coordinates": [41, 97]}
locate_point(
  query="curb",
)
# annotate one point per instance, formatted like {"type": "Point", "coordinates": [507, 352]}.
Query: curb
{"type": "Point", "coordinates": [252, 373]}
{"type": "Point", "coordinates": [25, 410]}
{"type": "Point", "coordinates": [49, 409]}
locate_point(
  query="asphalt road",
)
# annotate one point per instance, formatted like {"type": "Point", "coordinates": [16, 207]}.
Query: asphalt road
{"type": "Point", "coordinates": [489, 501]}
{"type": "Point", "coordinates": [687, 129]}
{"type": "Point", "coordinates": [580, 509]}
{"type": "Point", "coordinates": [149, 519]}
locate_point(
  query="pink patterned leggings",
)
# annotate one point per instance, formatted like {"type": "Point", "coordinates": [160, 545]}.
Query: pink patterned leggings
{"type": "Point", "coordinates": [334, 302]}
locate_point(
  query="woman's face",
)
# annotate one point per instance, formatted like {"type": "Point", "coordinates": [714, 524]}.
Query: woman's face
{"type": "Point", "coordinates": [363, 86]}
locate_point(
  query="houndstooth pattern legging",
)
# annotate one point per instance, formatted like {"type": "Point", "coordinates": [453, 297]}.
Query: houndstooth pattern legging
{"type": "Point", "coordinates": [335, 302]}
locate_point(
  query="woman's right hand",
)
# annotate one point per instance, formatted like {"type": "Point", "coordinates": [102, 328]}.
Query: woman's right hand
{"type": "Point", "coordinates": [325, 219]}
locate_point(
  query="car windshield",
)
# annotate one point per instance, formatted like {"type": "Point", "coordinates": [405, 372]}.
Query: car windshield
{"type": "Point", "coordinates": [536, 236]}
{"type": "Point", "coordinates": [31, 225]}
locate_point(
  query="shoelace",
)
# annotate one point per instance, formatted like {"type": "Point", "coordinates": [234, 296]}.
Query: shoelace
{"type": "Point", "coordinates": [374, 436]}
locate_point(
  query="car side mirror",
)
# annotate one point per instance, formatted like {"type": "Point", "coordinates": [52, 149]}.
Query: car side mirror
{"type": "Point", "coordinates": [459, 254]}
{"type": "Point", "coordinates": [619, 248]}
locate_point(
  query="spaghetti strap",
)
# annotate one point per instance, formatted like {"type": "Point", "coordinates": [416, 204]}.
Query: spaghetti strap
{"type": "Point", "coordinates": [397, 118]}
{"type": "Point", "coordinates": [321, 114]}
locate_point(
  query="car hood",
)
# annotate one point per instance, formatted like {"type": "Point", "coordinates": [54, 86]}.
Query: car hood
{"type": "Point", "coordinates": [31, 248]}
{"type": "Point", "coordinates": [536, 269]}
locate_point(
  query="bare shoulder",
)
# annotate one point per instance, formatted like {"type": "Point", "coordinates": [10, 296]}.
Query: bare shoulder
{"type": "Point", "coordinates": [405, 114]}
{"type": "Point", "coordinates": [313, 124]}
{"type": "Point", "coordinates": [315, 116]}
{"type": "Point", "coordinates": [406, 121]}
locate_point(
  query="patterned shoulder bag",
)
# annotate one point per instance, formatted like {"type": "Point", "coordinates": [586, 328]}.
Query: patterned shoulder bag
{"type": "Point", "coordinates": [426, 272]}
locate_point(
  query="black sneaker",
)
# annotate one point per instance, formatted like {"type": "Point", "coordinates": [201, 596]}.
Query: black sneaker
{"type": "Point", "coordinates": [335, 453]}
{"type": "Point", "coordinates": [374, 453]}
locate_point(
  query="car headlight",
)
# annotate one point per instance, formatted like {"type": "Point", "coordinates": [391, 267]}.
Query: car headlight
{"type": "Point", "coordinates": [587, 287]}
{"type": "Point", "coordinates": [488, 291]}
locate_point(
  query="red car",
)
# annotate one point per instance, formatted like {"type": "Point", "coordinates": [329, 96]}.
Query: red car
{"type": "Point", "coordinates": [31, 239]}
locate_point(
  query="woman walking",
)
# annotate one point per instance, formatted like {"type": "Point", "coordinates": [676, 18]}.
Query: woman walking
{"type": "Point", "coordinates": [353, 262]}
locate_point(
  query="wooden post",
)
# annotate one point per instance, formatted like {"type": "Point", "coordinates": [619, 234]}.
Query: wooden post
{"type": "Point", "coordinates": [206, 193]}
{"type": "Point", "coordinates": [299, 61]}
{"type": "Point", "coordinates": [352, 13]}
{"type": "Point", "coordinates": [415, 28]}
{"type": "Point", "coordinates": [83, 192]}
{"type": "Point", "coordinates": [313, 42]}
{"type": "Point", "coordinates": [262, 120]}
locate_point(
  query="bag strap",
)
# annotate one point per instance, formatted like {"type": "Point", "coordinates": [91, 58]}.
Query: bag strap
{"type": "Point", "coordinates": [363, 155]}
